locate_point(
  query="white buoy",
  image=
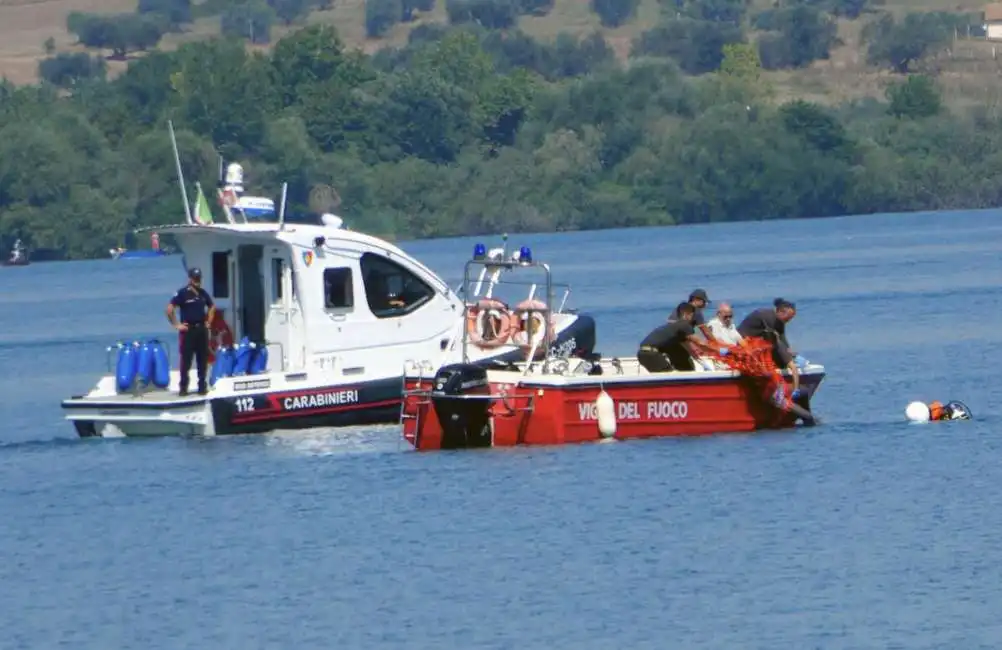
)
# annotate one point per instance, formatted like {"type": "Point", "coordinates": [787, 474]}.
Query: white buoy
{"type": "Point", "coordinates": [605, 408]}
{"type": "Point", "coordinates": [917, 412]}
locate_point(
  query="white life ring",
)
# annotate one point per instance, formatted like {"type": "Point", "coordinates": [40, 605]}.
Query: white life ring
{"type": "Point", "coordinates": [532, 326]}
{"type": "Point", "coordinates": [489, 323]}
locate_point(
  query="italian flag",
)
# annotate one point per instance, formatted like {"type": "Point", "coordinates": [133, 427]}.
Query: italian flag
{"type": "Point", "coordinates": [202, 213]}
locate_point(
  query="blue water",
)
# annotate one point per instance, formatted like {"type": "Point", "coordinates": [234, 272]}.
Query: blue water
{"type": "Point", "coordinates": [865, 532]}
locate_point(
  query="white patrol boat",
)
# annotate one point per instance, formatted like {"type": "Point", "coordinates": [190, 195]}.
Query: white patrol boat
{"type": "Point", "coordinates": [331, 318]}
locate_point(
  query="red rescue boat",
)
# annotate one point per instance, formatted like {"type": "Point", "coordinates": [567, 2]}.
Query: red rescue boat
{"type": "Point", "coordinates": [568, 399]}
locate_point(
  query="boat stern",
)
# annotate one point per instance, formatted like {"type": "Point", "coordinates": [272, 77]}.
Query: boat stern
{"type": "Point", "coordinates": [104, 413]}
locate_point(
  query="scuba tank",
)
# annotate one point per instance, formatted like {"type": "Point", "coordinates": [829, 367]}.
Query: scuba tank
{"type": "Point", "coordinates": [259, 363]}
{"type": "Point", "coordinates": [161, 364]}
{"type": "Point", "coordinates": [144, 363]}
{"type": "Point", "coordinates": [223, 366]}
{"type": "Point", "coordinates": [244, 354]}
{"type": "Point", "coordinates": [127, 366]}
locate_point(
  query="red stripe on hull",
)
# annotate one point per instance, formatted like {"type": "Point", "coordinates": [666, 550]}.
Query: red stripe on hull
{"type": "Point", "coordinates": [553, 415]}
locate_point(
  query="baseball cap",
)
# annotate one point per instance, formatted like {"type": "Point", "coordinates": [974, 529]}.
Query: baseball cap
{"type": "Point", "coordinates": [699, 293]}
{"type": "Point", "coordinates": [194, 272]}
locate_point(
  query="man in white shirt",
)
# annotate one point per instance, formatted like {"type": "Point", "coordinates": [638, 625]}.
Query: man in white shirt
{"type": "Point", "coordinates": [722, 326]}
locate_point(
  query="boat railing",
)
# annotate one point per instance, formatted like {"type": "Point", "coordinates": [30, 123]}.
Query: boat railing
{"type": "Point", "coordinates": [522, 261]}
{"type": "Point", "coordinates": [530, 288]}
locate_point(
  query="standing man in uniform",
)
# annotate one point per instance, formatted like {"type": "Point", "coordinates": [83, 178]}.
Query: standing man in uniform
{"type": "Point", "coordinates": [197, 312]}
{"type": "Point", "coordinates": [669, 347]}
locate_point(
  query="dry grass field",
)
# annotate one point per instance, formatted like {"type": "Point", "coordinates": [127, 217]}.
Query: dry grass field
{"type": "Point", "coordinates": [969, 73]}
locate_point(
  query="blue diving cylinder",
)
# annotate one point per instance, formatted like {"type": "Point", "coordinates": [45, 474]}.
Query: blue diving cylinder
{"type": "Point", "coordinates": [144, 363]}
{"type": "Point", "coordinates": [127, 366]}
{"type": "Point", "coordinates": [244, 356]}
{"type": "Point", "coordinates": [161, 364]}
{"type": "Point", "coordinates": [223, 366]}
{"type": "Point", "coordinates": [259, 363]}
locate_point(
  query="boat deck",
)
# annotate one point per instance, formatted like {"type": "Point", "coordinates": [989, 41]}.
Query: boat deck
{"type": "Point", "coordinates": [620, 370]}
{"type": "Point", "coordinates": [146, 399]}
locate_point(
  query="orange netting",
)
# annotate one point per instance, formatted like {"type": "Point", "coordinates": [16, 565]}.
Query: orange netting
{"type": "Point", "coordinates": [752, 358]}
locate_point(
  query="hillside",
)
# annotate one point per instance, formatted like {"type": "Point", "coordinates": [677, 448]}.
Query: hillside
{"type": "Point", "coordinates": [721, 114]}
{"type": "Point", "coordinates": [968, 75]}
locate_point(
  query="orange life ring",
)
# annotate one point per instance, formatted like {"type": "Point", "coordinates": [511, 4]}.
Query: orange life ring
{"type": "Point", "coordinates": [489, 323]}
{"type": "Point", "coordinates": [532, 327]}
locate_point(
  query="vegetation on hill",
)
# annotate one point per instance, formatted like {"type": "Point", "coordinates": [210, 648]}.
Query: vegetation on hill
{"type": "Point", "coordinates": [475, 127]}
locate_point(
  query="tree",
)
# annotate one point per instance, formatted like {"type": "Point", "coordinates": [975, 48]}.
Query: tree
{"type": "Point", "coordinates": [916, 97]}
{"type": "Point", "coordinates": [804, 34]}
{"type": "Point", "coordinates": [67, 69]}
{"type": "Point", "coordinates": [614, 13]}
{"type": "Point", "coordinates": [902, 44]}
{"type": "Point", "coordinates": [381, 15]}
{"type": "Point", "coordinates": [741, 61]}
{"type": "Point", "coordinates": [697, 45]}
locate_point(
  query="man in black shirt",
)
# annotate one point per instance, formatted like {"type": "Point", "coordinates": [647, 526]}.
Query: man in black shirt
{"type": "Point", "coordinates": [770, 324]}
{"type": "Point", "coordinates": [197, 311]}
{"type": "Point", "coordinates": [698, 299]}
{"type": "Point", "coordinates": [668, 347]}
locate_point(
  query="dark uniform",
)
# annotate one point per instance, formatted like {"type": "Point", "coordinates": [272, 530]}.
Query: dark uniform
{"type": "Point", "coordinates": [193, 304]}
{"type": "Point", "coordinates": [765, 324]}
{"type": "Point", "coordinates": [662, 349]}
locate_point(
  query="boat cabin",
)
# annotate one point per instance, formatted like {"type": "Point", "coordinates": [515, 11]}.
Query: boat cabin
{"type": "Point", "coordinates": [321, 297]}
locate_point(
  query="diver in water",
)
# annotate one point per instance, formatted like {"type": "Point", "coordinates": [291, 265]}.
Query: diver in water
{"type": "Point", "coordinates": [937, 411]}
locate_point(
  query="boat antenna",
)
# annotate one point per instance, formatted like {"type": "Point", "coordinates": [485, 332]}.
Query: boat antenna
{"type": "Point", "coordinates": [281, 208]}
{"type": "Point", "coordinates": [180, 174]}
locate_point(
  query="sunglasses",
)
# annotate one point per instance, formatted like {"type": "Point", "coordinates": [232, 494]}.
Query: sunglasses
{"type": "Point", "coordinates": [727, 315]}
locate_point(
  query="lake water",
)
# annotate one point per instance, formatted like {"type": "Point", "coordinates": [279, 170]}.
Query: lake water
{"type": "Point", "coordinates": [865, 532]}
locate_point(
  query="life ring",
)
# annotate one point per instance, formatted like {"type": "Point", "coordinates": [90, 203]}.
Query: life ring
{"type": "Point", "coordinates": [489, 323]}
{"type": "Point", "coordinates": [532, 326]}
{"type": "Point", "coordinates": [220, 335]}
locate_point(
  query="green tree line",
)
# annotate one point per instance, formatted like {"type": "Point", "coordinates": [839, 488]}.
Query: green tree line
{"type": "Point", "coordinates": [468, 130]}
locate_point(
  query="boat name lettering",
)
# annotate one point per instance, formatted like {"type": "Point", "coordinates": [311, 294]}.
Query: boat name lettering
{"type": "Point", "coordinates": [565, 349]}
{"type": "Point", "coordinates": [251, 385]}
{"type": "Point", "coordinates": [667, 410]}
{"type": "Point", "coordinates": [645, 411]}
{"type": "Point", "coordinates": [320, 400]}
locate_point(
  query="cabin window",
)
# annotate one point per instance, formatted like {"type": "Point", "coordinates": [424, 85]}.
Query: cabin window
{"type": "Point", "coordinates": [338, 292]}
{"type": "Point", "coordinates": [221, 275]}
{"type": "Point", "coordinates": [277, 271]}
{"type": "Point", "coordinates": [390, 289]}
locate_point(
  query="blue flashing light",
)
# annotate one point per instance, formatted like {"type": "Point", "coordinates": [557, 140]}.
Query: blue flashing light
{"type": "Point", "coordinates": [479, 252]}
{"type": "Point", "coordinates": [525, 254]}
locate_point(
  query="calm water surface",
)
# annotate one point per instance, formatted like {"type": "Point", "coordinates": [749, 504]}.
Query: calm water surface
{"type": "Point", "coordinates": [863, 533]}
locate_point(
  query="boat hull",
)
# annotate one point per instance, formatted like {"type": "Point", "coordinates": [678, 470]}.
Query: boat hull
{"type": "Point", "coordinates": [248, 406]}
{"type": "Point", "coordinates": [557, 410]}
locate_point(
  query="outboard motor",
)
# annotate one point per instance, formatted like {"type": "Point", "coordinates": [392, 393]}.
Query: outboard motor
{"type": "Point", "coordinates": [461, 397]}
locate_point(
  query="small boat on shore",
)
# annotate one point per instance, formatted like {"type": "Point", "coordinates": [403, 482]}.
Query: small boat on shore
{"type": "Point", "coordinates": [560, 399]}
{"type": "Point", "coordinates": [18, 255]}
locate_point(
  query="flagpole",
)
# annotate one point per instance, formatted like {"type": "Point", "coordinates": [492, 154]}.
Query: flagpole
{"type": "Point", "coordinates": [180, 174]}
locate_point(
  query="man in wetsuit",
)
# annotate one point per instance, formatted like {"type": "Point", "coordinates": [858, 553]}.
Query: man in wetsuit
{"type": "Point", "coordinates": [669, 347]}
{"type": "Point", "coordinates": [698, 299]}
{"type": "Point", "coordinates": [197, 311]}
{"type": "Point", "coordinates": [770, 324]}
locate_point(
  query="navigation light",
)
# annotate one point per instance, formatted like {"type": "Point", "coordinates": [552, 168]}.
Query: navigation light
{"type": "Point", "coordinates": [525, 255]}
{"type": "Point", "coordinates": [479, 252]}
